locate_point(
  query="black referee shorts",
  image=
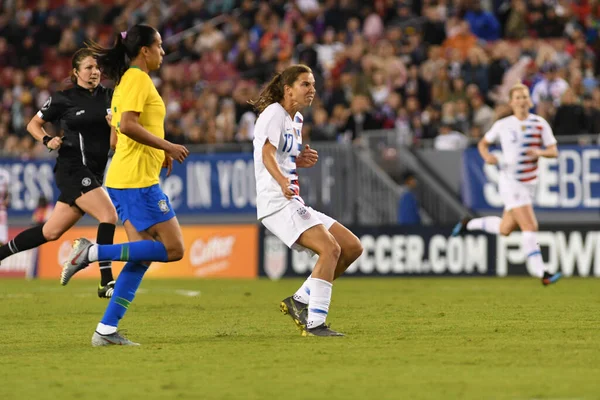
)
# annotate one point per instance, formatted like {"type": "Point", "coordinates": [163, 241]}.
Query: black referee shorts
{"type": "Point", "coordinates": [74, 182]}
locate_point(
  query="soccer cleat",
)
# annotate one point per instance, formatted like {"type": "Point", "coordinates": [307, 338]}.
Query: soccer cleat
{"type": "Point", "coordinates": [106, 292]}
{"type": "Point", "coordinates": [78, 260]}
{"type": "Point", "coordinates": [460, 227]}
{"type": "Point", "coordinates": [295, 309]}
{"type": "Point", "coordinates": [321, 330]}
{"type": "Point", "coordinates": [549, 279]}
{"type": "Point", "coordinates": [113, 339]}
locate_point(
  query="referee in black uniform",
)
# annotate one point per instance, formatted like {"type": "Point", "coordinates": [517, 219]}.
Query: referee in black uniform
{"type": "Point", "coordinates": [83, 112]}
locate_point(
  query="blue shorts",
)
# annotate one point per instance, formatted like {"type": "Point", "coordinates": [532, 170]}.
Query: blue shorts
{"type": "Point", "coordinates": [143, 207]}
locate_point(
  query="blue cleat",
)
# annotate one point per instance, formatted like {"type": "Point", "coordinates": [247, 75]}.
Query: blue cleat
{"type": "Point", "coordinates": [549, 279]}
{"type": "Point", "coordinates": [460, 227]}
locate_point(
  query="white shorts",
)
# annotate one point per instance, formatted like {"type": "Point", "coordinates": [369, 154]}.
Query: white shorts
{"type": "Point", "coordinates": [514, 193]}
{"type": "Point", "coordinates": [294, 219]}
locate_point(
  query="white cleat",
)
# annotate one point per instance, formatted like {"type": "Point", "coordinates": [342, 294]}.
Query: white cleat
{"type": "Point", "coordinates": [78, 260]}
{"type": "Point", "coordinates": [115, 339]}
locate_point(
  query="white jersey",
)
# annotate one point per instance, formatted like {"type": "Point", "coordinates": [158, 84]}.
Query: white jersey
{"type": "Point", "coordinates": [516, 137]}
{"type": "Point", "coordinates": [276, 125]}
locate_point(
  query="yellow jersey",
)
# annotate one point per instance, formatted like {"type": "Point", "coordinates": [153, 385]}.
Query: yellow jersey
{"type": "Point", "coordinates": [135, 165]}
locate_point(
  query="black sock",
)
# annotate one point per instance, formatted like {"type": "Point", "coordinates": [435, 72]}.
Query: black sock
{"type": "Point", "coordinates": [29, 239]}
{"type": "Point", "coordinates": [106, 234]}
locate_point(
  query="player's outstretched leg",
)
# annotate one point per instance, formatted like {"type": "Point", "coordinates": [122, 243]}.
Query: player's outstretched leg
{"type": "Point", "coordinates": [85, 252]}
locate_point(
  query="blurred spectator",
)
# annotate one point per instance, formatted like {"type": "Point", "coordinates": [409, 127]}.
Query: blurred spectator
{"type": "Point", "coordinates": [378, 88]}
{"type": "Point", "coordinates": [551, 87]}
{"type": "Point", "coordinates": [550, 25]}
{"type": "Point", "coordinates": [42, 211]}
{"type": "Point", "coordinates": [475, 69]}
{"type": "Point", "coordinates": [361, 118]}
{"type": "Point", "coordinates": [50, 32]}
{"type": "Point", "coordinates": [327, 50]}
{"type": "Point", "coordinates": [209, 39]}
{"type": "Point", "coordinates": [483, 115]}
{"type": "Point", "coordinates": [322, 129]}
{"type": "Point", "coordinates": [462, 39]}
{"type": "Point", "coordinates": [408, 206]}
{"type": "Point", "coordinates": [225, 121]}
{"type": "Point", "coordinates": [306, 52]}
{"type": "Point", "coordinates": [67, 44]}
{"type": "Point", "coordinates": [516, 26]}
{"type": "Point", "coordinates": [449, 139]}
{"type": "Point", "coordinates": [482, 23]}
{"type": "Point", "coordinates": [431, 120]}
{"type": "Point", "coordinates": [434, 31]}
{"type": "Point", "coordinates": [569, 118]}
{"type": "Point", "coordinates": [591, 114]}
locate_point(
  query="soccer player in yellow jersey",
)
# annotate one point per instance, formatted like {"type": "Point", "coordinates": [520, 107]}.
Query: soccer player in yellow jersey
{"type": "Point", "coordinates": [133, 176]}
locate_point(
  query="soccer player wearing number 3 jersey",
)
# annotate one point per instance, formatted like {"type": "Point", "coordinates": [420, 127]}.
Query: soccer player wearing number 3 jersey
{"type": "Point", "coordinates": [278, 153]}
{"type": "Point", "coordinates": [524, 138]}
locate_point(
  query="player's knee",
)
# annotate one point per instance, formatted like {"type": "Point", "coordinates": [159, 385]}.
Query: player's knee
{"type": "Point", "coordinates": [112, 217]}
{"type": "Point", "coordinates": [533, 227]}
{"type": "Point", "coordinates": [51, 234]}
{"type": "Point", "coordinates": [109, 217]}
{"type": "Point", "coordinates": [176, 251]}
{"type": "Point", "coordinates": [505, 230]}
{"type": "Point", "coordinates": [353, 251]}
{"type": "Point", "coordinates": [333, 249]}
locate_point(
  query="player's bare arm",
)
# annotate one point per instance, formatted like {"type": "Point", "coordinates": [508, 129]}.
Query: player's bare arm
{"type": "Point", "coordinates": [484, 150]}
{"type": "Point", "coordinates": [270, 162]}
{"type": "Point", "coordinates": [131, 127]}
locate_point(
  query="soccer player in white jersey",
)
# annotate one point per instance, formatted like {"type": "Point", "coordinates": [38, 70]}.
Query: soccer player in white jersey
{"type": "Point", "coordinates": [278, 152]}
{"type": "Point", "coordinates": [524, 138]}
{"type": "Point", "coordinates": [4, 203]}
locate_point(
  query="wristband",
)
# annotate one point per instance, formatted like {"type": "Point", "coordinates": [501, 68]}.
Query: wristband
{"type": "Point", "coordinates": [46, 139]}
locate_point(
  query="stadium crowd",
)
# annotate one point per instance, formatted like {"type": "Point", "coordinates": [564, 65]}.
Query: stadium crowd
{"type": "Point", "coordinates": [429, 69]}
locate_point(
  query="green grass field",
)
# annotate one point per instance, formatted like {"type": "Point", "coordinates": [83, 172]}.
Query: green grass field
{"type": "Point", "coordinates": [407, 339]}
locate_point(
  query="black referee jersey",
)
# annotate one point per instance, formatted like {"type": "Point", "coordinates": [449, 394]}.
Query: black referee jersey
{"type": "Point", "coordinates": [82, 116]}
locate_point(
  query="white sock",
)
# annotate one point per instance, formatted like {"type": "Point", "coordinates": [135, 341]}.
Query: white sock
{"type": "Point", "coordinates": [486, 224]}
{"type": "Point", "coordinates": [105, 329]}
{"type": "Point", "coordinates": [318, 304]}
{"type": "Point", "coordinates": [533, 253]}
{"type": "Point", "coordinates": [303, 293]}
{"type": "Point", "coordinates": [93, 253]}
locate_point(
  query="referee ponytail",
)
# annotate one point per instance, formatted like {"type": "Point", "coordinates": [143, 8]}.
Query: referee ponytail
{"type": "Point", "coordinates": [273, 92]}
{"type": "Point", "coordinates": [114, 61]}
